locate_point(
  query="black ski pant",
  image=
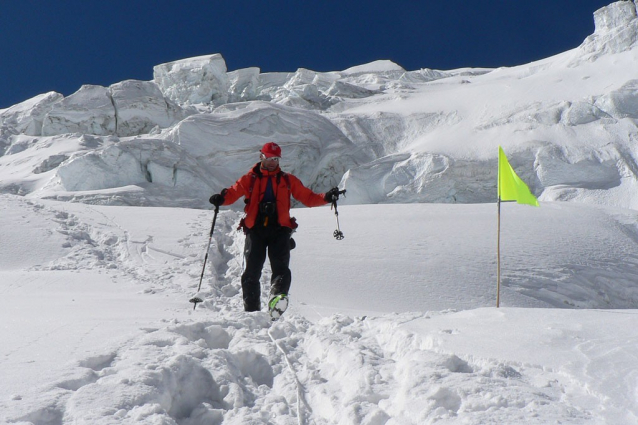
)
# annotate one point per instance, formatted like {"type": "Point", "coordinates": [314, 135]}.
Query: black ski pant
{"type": "Point", "coordinates": [274, 240]}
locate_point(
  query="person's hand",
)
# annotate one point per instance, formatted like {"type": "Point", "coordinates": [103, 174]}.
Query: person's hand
{"type": "Point", "coordinates": [332, 195]}
{"type": "Point", "coordinates": [217, 199]}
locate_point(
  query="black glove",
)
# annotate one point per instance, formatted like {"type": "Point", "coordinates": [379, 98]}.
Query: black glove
{"type": "Point", "coordinates": [331, 195]}
{"type": "Point", "coordinates": [217, 199]}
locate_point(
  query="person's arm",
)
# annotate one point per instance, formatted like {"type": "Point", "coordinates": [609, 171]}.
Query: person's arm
{"type": "Point", "coordinates": [233, 193]}
{"type": "Point", "coordinates": [305, 195]}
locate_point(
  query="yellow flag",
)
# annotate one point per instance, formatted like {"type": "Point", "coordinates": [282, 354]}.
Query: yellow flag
{"type": "Point", "coordinates": [510, 186]}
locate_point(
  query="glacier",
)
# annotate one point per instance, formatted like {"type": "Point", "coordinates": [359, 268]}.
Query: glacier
{"type": "Point", "coordinates": [388, 135]}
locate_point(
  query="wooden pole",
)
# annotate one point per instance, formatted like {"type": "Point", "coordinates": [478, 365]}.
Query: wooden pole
{"type": "Point", "coordinates": [498, 256]}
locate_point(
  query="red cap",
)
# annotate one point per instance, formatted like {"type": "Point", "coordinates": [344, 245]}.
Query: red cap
{"type": "Point", "coordinates": [271, 150]}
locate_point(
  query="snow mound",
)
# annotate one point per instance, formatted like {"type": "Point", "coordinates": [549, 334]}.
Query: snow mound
{"type": "Point", "coordinates": [373, 67]}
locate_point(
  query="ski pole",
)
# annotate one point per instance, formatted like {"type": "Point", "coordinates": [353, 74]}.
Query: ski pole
{"type": "Point", "coordinates": [338, 234]}
{"type": "Point", "coordinates": [196, 299]}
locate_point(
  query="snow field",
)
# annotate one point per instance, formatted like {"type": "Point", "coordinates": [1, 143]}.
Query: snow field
{"type": "Point", "coordinates": [123, 344]}
{"type": "Point", "coordinates": [209, 372]}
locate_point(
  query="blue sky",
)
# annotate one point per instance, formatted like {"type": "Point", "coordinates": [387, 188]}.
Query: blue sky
{"type": "Point", "coordinates": [61, 45]}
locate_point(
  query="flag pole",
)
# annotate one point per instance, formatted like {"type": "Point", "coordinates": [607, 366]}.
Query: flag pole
{"type": "Point", "coordinates": [498, 255]}
{"type": "Point", "coordinates": [509, 187]}
{"type": "Point", "coordinates": [498, 233]}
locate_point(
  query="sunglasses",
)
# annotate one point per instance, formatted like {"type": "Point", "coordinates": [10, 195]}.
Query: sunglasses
{"type": "Point", "coordinates": [273, 159]}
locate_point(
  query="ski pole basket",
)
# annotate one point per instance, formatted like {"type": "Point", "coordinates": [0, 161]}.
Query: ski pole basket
{"type": "Point", "coordinates": [338, 234]}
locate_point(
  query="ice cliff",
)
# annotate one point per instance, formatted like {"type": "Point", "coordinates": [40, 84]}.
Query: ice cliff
{"type": "Point", "coordinates": [568, 124]}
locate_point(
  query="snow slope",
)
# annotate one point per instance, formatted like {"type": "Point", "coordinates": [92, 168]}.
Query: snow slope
{"type": "Point", "coordinates": [394, 324]}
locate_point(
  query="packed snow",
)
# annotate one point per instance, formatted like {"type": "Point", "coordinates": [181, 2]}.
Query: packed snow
{"type": "Point", "coordinates": [105, 222]}
{"type": "Point", "coordinates": [394, 324]}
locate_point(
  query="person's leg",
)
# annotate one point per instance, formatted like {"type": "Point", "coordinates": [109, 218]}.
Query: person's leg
{"type": "Point", "coordinates": [279, 255]}
{"type": "Point", "coordinates": [255, 254]}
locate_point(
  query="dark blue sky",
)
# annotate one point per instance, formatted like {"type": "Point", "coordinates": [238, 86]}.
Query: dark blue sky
{"type": "Point", "coordinates": [60, 45]}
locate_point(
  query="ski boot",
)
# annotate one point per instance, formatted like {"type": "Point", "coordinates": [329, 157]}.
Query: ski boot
{"type": "Point", "coordinates": [277, 305]}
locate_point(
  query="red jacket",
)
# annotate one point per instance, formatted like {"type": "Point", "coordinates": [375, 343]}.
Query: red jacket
{"type": "Point", "coordinates": [252, 186]}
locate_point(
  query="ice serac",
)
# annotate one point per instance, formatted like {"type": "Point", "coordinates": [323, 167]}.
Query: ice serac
{"type": "Point", "coordinates": [89, 110]}
{"type": "Point", "coordinates": [305, 89]}
{"type": "Point", "coordinates": [568, 124]}
{"type": "Point", "coordinates": [347, 90]}
{"type": "Point", "coordinates": [243, 84]}
{"type": "Point", "coordinates": [616, 30]}
{"type": "Point", "coordinates": [199, 80]}
{"type": "Point", "coordinates": [269, 83]}
{"type": "Point", "coordinates": [204, 153]}
{"type": "Point", "coordinates": [621, 103]}
{"type": "Point", "coordinates": [421, 178]}
{"type": "Point", "coordinates": [163, 169]}
{"type": "Point", "coordinates": [227, 142]}
{"type": "Point", "coordinates": [128, 108]}
{"type": "Point", "coordinates": [140, 106]}
{"type": "Point", "coordinates": [614, 16]}
{"type": "Point", "coordinates": [27, 117]}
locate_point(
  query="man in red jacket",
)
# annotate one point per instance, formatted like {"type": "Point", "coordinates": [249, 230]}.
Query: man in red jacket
{"type": "Point", "coordinates": [268, 225]}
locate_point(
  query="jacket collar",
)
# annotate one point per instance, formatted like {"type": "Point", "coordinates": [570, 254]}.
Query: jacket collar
{"type": "Point", "coordinates": [261, 172]}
